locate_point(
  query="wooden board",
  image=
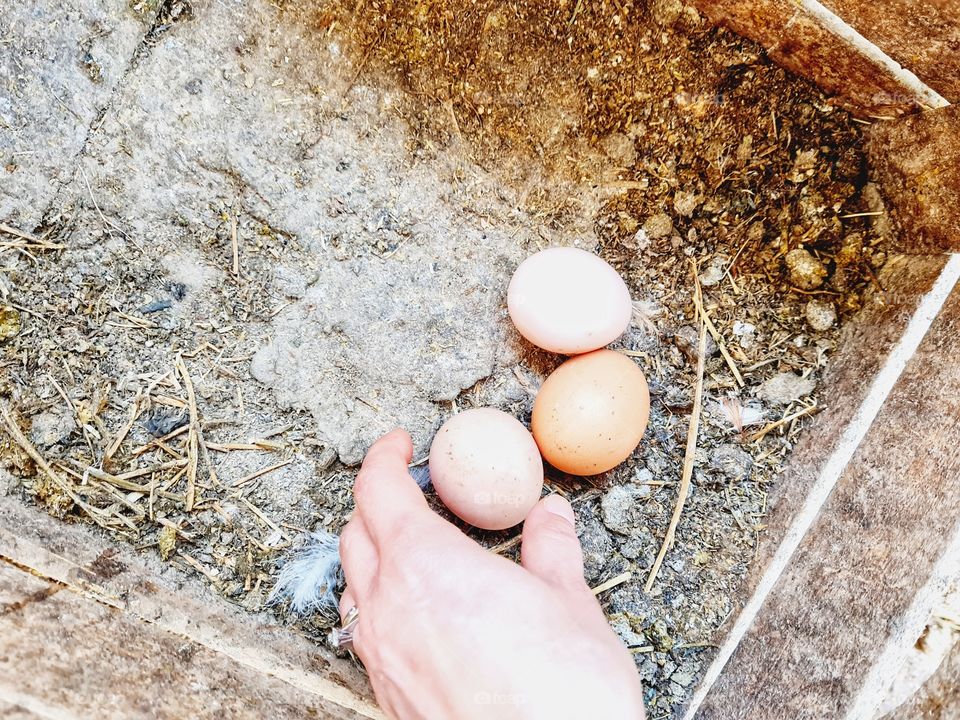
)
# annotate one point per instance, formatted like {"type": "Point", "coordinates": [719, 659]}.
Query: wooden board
{"type": "Point", "coordinates": [802, 43]}
{"type": "Point", "coordinates": [65, 655]}
{"type": "Point", "coordinates": [923, 35]}
{"type": "Point", "coordinates": [916, 161]}
{"type": "Point", "coordinates": [91, 630]}
{"type": "Point", "coordinates": [939, 698]}
{"type": "Point", "coordinates": [848, 595]}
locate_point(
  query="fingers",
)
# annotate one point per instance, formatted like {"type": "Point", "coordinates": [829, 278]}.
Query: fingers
{"type": "Point", "coordinates": [358, 555]}
{"type": "Point", "coordinates": [347, 603]}
{"type": "Point", "coordinates": [385, 494]}
{"type": "Point", "coordinates": [550, 547]}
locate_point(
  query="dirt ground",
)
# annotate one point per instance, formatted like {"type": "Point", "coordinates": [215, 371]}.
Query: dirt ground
{"type": "Point", "coordinates": [289, 227]}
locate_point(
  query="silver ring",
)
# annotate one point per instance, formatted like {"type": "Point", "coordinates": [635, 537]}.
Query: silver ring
{"type": "Point", "coordinates": [343, 637]}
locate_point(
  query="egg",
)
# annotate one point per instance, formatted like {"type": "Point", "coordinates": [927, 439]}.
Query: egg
{"type": "Point", "coordinates": [486, 468]}
{"type": "Point", "coordinates": [568, 301]}
{"type": "Point", "coordinates": [591, 412]}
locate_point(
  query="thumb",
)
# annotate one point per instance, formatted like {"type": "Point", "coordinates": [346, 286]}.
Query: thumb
{"type": "Point", "coordinates": [550, 548]}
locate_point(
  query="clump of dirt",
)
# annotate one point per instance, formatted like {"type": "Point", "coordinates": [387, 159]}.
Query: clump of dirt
{"type": "Point", "coordinates": [677, 151]}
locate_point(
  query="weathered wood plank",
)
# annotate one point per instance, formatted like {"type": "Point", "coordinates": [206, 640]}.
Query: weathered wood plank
{"type": "Point", "coordinates": [923, 35]}
{"type": "Point", "coordinates": [916, 161]}
{"type": "Point", "coordinates": [864, 347]}
{"type": "Point", "coordinates": [72, 652]}
{"type": "Point", "coordinates": [13, 711]}
{"type": "Point", "coordinates": [158, 611]}
{"type": "Point", "coordinates": [801, 42]}
{"type": "Point", "coordinates": [846, 594]}
{"type": "Point", "coordinates": [939, 698]}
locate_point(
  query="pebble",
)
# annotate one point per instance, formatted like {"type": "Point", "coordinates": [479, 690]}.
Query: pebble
{"type": "Point", "coordinates": [732, 461]}
{"type": "Point", "coordinates": [806, 272]}
{"type": "Point", "coordinates": [687, 339]}
{"type": "Point", "coordinates": [660, 638]}
{"type": "Point", "coordinates": [621, 626]}
{"type": "Point", "coordinates": [658, 226]}
{"type": "Point", "coordinates": [633, 548]}
{"type": "Point", "coordinates": [785, 388]}
{"type": "Point", "coordinates": [618, 503]}
{"type": "Point", "coordinates": [685, 203]}
{"type": "Point", "coordinates": [821, 315]}
{"type": "Point", "coordinates": [643, 476]}
{"type": "Point", "coordinates": [9, 322]}
{"type": "Point", "coordinates": [713, 274]}
{"type": "Point", "coordinates": [51, 428]}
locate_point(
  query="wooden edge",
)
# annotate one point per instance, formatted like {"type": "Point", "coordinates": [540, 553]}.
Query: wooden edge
{"type": "Point", "coordinates": [865, 349]}
{"type": "Point", "coordinates": [916, 164]}
{"type": "Point", "coordinates": [833, 55]}
{"type": "Point", "coordinates": [90, 566]}
{"type": "Point", "coordinates": [939, 698]}
{"type": "Point", "coordinates": [923, 35]}
{"type": "Point", "coordinates": [860, 579]}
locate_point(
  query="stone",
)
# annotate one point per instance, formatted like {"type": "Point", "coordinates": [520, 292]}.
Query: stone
{"type": "Point", "coordinates": [745, 333]}
{"type": "Point", "coordinates": [731, 461]}
{"type": "Point", "coordinates": [621, 626]}
{"type": "Point", "coordinates": [714, 273]}
{"type": "Point", "coordinates": [687, 339]}
{"type": "Point", "coordinates": [51, 428]}
{"type": "Point", "coordinates": [658, 226]}
{"type": "Point", "coordinates": [785, 388]}
{"type": "Point", "coordinates": [821, 315]}
{"type": "Point", "coordinates": [685, 203]}
{"type": "Point", "coordinates": [618, 504]}
{"type": "Point", "coordinates": [666, 12]}
{"type": "Point", "coordinates": [806, 272]}
{"type": "Point", "coordinates": [660, 637]}
{"type": "Point", "coordinates": [640, 548]}
{"type": "Point", "coordinates": [10, 322]}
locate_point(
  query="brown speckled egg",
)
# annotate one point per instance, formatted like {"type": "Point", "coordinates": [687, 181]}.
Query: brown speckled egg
{"type": "Point", "coordinates": [486, 468]}
{"type": "Point", "coordinates": [591, 412]}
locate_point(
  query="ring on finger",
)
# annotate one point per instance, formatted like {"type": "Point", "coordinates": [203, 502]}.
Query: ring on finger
{"type": "Point", "coordinates": [342, 637]}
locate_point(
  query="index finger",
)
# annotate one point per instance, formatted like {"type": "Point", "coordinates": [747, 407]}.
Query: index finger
{"type": "Point", "coordinates": [386, 496]}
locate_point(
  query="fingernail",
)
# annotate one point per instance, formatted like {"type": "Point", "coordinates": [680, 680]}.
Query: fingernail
{"type": "Point", "coordinates": [559, 506]}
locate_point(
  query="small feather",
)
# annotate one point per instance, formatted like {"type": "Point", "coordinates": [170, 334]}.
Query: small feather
{"type": "Point", "coordinates": [310, 579]}
{"type": "Point", "coordinates": [421, 474]}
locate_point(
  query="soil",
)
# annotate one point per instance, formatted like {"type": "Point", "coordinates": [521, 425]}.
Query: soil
{"type": "Point", "coordinates": [317, 211]}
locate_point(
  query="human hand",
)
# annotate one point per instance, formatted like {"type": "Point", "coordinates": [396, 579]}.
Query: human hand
{"type": "Point", "coordinates": [449, 630]}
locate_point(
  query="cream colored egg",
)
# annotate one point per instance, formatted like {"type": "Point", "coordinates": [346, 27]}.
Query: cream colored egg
{"type": "Point", "coordinates": [591, 412]}
{"type": "Point", "coordinates": [486, 468]}
{"type": "Point", "coordinates": [568, 301]}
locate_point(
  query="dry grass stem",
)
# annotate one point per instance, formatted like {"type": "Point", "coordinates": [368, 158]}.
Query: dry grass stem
{"type": "Point", "coordinates": [691, 444]}
{"type": "Point", "coordinates": [810, 410]}
{"type": "Point", "coordinates": [193, 442]}
{"type": "Point", "coordinates": [254, 475]}
{"type": "Point", "coordinates": [612, 583]}
{"type": "Point", "coordinates": [717, 337]}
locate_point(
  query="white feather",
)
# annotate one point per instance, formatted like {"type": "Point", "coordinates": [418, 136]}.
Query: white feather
{"type": "Point", "coordinates": [309, 580]}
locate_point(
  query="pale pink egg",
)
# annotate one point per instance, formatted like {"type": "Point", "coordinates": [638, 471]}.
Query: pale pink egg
{"type": "Point", "coordinates": [568, 301]}
{"type": "Point", "coordinates": [485, 466]}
